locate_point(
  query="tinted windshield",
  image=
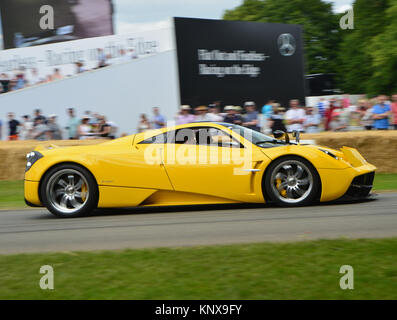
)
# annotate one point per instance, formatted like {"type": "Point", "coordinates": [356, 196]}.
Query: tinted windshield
{"type": "Point", "coordinates": [253, 136]}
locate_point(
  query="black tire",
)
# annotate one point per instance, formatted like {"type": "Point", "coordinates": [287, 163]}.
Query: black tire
{"type": "Point", "coordinates": [75, 205]}
{"type": "Point", "coordinates": [291, 186]}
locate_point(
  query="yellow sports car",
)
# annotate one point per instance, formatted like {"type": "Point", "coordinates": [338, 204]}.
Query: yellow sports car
{"type": "Point", "coordinates": [196, 163]}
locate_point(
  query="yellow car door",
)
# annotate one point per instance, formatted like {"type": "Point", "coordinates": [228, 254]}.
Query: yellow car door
{"type": "Point", "coordinates": [208, 160]}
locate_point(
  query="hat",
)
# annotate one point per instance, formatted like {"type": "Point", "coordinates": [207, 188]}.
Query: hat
{"type": "Point", "coordinates": [202, 108]}
{"type": "Point", "coordinates": [185, 107]}
{"type": "Point", "coordinates": [238, 108]}
{"type": "Point", "coordinates": [249, 104]}
{"type": "Point", "coordinates": [227, 108]}
{"type": "Point", "coordinates": [52, 116]}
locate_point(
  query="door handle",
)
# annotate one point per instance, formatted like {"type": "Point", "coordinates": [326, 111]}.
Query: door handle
{"type": "Point", "coordinates": [252, 170]}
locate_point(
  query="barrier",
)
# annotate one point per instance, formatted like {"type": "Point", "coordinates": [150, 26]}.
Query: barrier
{"type": "Point", "coordinates": [378, 148]}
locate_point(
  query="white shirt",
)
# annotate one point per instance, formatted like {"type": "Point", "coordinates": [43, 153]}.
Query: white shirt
{"type": "Point", "coordinates": [295, 114]}
{"type": "Point", "coordinates": [214, 117]}
{"type": "Point", "coordinates": [202, 117]}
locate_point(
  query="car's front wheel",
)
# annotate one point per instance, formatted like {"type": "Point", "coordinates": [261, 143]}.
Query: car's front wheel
{"type": "Point", "coordinates": [292, 181]}
{"type": "Point", "coordinates": [69, 190]}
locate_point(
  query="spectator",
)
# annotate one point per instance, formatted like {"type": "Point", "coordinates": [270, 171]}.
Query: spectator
{"type": "Point", "coordinates": [34, 78]}
{"type": "Point", "coordinates": [72, 125]}
{"type": "Point", "coordinates": [40, 131]}
{"type": "Point", "coordinates": [295, 116]}
{"type": "Point", "coordinates": [329, 113]}
{"type": "Point", "coordinates": [322, 107]}
{"type": "Point", "coordinates": [104, 129]}
{"type": "Point", "coordinates": [201, 114]}
{"type": "Point", "coordinates": [27, 128]}
{"type": "Point", "coordinates": [381, 113]}
{"type": "Point", "coordinates": [143, 124]}
{"type": "Point", "coordinates": [79, 67]}
{"type": "Point", "coordinates": [312, 121]}
{"type": "Point", "coordinates": [57, 74]}
{"type": "Point", "coordinates": [214, 113]}
{"type": "Point", "coordinates": [20, 81]}
{"type": "Point", "coordinates": [267, 109]}
{"type": "Point", "coordinates": [54, 130]}
{"type": "Point", "coordinates": [251, 119]}
{"type": "Point", "coordinates": [394, 110]}
{"type": "Point", "coordinates": [5, 82]}
{"type": "Point", "coordinates": [232, 115]}
{"type": "Point", "coordinates": [276, 121]}
{"type": "Point", "coordinates": [132, 54]}
{"type": "Point", "coordinates": [122, 57]}
{"type": "Point", "coordinates": [101, 58]}
{"type": "Point", "coordinates": [184, 115]}
{"type": "Point", "coordinates": [345, 103]}
{"type": "Point", "coordinates": [158, 119]}
{"type": "Point", "coordinates": [38, 115]}
{"type": "Point", "coordinates": [365, 113]}
{"type": "Point", "coordinates": [337, 123]}
{"type": "Point", "coordinates": [13, 127]}
{"type": "Point", "coordinates": [84, 129]}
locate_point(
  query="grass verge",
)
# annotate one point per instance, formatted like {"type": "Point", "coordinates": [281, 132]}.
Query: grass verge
{"type": "Point", "coordinates": [304, 270]}
{"type": "Point", "coordinates": [11, 192]}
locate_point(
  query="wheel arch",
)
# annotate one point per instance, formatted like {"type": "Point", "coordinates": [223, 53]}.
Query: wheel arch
{"type": "Point", "coordinates": [60, 164]}
{"type": "Point", "coordinates": [266, 197]}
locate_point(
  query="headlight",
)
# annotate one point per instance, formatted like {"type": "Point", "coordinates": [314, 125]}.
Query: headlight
{"type": "Point", "coordinates": [330, 154]}
{"type": "Point", "coordinates": [31, 158]}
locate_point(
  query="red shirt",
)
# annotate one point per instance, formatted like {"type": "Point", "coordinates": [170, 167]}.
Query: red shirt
{"type": "Point", "coordinates": [394, 111]}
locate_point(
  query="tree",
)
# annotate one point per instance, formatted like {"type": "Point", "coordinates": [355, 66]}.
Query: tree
{"type": "Point", "coordinates": [383, 52]}
{"type": "Point", "coordinates": [320, 25]}
{"type": "Point", "coordinates": [355, 61]}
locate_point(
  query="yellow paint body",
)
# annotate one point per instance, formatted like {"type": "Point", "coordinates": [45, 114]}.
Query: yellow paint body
{"type": "Point", "coordinates": [129, 173]}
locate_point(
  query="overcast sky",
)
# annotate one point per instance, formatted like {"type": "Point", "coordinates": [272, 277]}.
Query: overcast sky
{"type": "Point", "coordinates": [135, 15]}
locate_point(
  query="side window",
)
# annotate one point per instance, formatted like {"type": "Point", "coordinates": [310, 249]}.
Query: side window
{"type": "Point", "coordinates": [201, 135]}
{"type": "Point", "coordinates": [216, 137]}
{"type": "Point", "coordinates": [159, 139]}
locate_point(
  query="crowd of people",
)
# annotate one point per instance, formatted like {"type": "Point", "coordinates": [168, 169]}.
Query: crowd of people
{"type": "Point", "coordinates": [379, 113]}
{"type": "Point", "coordinates": [42, 128]}
{"type": "Point", "coordinates": [23, 78]}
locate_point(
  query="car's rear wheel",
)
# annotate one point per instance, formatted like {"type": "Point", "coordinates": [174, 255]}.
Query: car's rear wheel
{"type": "Point", "coordinates": [292, 181]}
{"type": "Point", "coordinates": [69, 190]}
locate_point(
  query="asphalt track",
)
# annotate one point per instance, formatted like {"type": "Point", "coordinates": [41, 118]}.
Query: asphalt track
{"type": "Point", "coordinates": [39, 231]}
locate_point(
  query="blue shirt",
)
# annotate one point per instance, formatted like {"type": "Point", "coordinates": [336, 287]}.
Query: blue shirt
{"type": "Point", "coordinates": [267, 110]}
{"type": "Point", "coordinates": [381, 123]}
{"type": "Point", "coordinates": [158, 118]}
{"type": "Point", "coordinates": [321, 108]}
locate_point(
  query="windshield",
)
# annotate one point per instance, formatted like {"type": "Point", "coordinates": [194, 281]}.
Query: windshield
{"type": "Point", "coordinates": [255, 137]}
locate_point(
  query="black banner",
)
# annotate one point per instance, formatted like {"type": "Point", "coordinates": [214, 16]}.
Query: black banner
{"type": "Point", "coordinates": [236, 61]}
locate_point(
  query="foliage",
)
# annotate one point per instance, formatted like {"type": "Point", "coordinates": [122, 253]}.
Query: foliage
{"type": "Point", "coordinates": [364, 59]}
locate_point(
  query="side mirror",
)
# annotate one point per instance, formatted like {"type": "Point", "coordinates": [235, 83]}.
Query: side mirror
{"type": "Point", "coordinates": [279, 134]}
{"type": "Point", "coordinates": [296, 135]}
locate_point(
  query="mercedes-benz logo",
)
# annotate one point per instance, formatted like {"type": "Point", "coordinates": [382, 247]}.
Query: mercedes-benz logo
{"type": "Point", "coordinates": [286, 44]}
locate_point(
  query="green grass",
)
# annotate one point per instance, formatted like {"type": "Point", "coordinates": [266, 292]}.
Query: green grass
{"type": "Point", "coordinates": [11, 192]}
{"type": "Point", "coordinates": [304, 270]}
{"type": "Point", "coordinates": [385, 181]}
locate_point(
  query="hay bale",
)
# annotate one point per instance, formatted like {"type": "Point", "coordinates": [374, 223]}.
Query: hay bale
{"type": "Point", "coordinates": [13, 155]}
{"type": "Point", "coordinates": [378, 147]}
